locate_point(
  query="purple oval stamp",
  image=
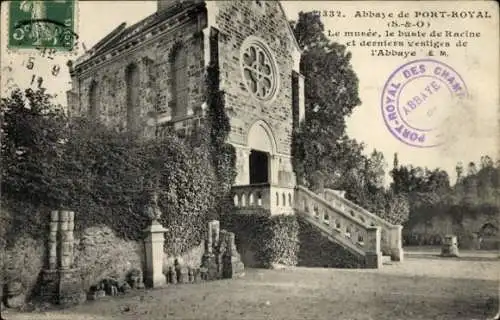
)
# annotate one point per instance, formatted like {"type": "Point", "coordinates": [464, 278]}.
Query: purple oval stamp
{"type": "Point", "coordinates": [417, 98]}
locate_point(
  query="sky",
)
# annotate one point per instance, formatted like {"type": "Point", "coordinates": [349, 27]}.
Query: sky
{"type": "Point", "coordinates": [472, 127]}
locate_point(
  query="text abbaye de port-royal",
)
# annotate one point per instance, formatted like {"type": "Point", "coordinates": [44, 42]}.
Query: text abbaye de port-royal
{"type": "Point", "coordinates": [453, 14]}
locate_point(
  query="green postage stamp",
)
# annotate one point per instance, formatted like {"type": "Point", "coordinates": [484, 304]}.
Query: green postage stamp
{"type": "Point", "coordinates": [42, 24]}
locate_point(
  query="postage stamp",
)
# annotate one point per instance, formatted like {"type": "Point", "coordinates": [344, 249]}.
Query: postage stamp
{"type": "Point", "coordinates": [42, 24]}
{"type": "Point", "coordinates": [417, 98]}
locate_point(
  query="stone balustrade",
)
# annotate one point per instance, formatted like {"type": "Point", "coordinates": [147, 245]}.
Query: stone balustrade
{"type": "Point", "coordinates": [391, 235]}
{"type": "Point", "coordinates": [278, 200]}
{"type": "Point", "coordinates": [360, 238]}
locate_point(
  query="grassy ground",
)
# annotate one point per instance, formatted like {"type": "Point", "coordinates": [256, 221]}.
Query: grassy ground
{"type": "Point", "coordinates": [423, 287]}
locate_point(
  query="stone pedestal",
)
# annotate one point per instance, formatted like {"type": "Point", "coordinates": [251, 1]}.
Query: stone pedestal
{"type": "Point", "coordinates": [450, 246]}
{"type": "Point", "coordinates": [396, 237]}
{"type": "Point", "coordinates": [209, 266]}
{"type": "Point", "coordinates": [373, 253]}
{"type": "Point", "coordinates": [232, 266]}
{"type": "Point", "coordinates": [63, 287]}
{"type": "Point", "coordinates": [155, 239]}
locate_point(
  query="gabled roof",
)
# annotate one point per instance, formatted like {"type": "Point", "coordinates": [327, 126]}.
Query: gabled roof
{"type": "Point", "coordinates": [121, 33]}
{"type": "Point", "coordinates": [289, 27]}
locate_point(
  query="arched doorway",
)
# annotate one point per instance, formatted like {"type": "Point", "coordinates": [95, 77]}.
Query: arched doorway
{"type": "Point", "coordinates": [259, 167]}
{"type": "Point", "coordinates": [262, 149]}
{"type": "Point", "coordinates": [489, 237]}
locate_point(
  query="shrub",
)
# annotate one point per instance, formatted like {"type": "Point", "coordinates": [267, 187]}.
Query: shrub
{"type": "Point", "coordinates": [273, 239]}
{"type": "Point", "coordinates": [281, 245]}
{"type": "Point", "coordinates": [118, 174]}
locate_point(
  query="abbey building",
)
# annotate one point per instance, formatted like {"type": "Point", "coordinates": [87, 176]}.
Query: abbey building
{"type": "Point", "coordinates": [151, 75]}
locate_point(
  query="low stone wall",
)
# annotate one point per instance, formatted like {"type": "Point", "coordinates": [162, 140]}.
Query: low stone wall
{"type": "Point", "coordinates": [101, 254]}
{"type": "Point", "coordinates": [192, 258]}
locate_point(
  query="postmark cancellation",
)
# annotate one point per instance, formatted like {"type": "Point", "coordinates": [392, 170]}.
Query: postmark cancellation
{"type": "Point", "coordinates": [417, 98]}
{"type": "Point", "coordinates": [42, 24]}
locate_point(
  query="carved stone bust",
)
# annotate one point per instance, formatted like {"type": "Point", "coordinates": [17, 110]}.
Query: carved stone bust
{"type": "Point", "coordinates": [153, 210]}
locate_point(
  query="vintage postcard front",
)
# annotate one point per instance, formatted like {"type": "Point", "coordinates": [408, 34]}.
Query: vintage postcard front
{"type": "Point", "coordinates": [184, 141]}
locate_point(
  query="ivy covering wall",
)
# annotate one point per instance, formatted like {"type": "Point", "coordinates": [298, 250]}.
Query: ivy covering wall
{"type": "Point", "coordinates": [107, 178]}
{"type": "Point", "coordinates": [265, 241]}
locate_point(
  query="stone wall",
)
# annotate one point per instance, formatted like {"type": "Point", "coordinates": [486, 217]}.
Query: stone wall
{"type": "Point", "coordinates": [237, 20]}
{"type": "Point", "coordinates": [469, 230]}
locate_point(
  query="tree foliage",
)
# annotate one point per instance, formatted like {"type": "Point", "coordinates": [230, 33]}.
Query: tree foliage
{"type": "Point", "coordinates": [331, 93]}
{"type": "Point", "coordinates": [33, 131]}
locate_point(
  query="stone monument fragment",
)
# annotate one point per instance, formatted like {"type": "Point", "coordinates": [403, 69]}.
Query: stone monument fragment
{"type": "Point", "coordinates": [450, 246]}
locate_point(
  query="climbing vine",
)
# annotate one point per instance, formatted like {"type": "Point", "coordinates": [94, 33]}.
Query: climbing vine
{"type": "Point", "coordinates": [274, 240]}
{"type": "Point", "coordinates": [222, 153]}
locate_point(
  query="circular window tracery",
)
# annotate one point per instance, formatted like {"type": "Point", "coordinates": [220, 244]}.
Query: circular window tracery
{"type": "Point", "coordinates": [258, 69]}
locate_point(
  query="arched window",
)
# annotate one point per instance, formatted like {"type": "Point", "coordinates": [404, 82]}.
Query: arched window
{"type": "Point", "coordinates": [93, 101]}
{"type": "Point", "coordinates": [179, 82]}
{"type": "Point", "coordinates": [132, 81]}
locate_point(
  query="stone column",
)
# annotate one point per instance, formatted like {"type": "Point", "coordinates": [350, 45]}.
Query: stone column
{"type": "Point", "coordinates": [373, 258]}
{"type": "Point", "coordinates": [243, 166]}
{"type": "Point", "coordinates": [61, 283]}
{"type": "Point", "coordinates": [206, 47]}
{"type": "Point", "coordinates": [209, 260]}
{"type": "Point", "coordinates": [155, 239]}
{"type": "Point", "coordinates": [52, 243]}
{"type": "Point", "coordinates": [396, 242]}
{"type": "Point", "coordinates": [213, 232]}
{"type": "Point", "coordinates": [273, 169]}
{"type": "Point", "coordinates": [232, 265]}
{"type": "Point", "coordinates": [66, 239]}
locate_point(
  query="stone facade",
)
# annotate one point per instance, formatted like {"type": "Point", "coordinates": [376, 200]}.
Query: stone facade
{"type": "Point", "coordinates": [151, 52]}
{"type": "Point", "coordinates": [256, 122]}
{"type": "Point", "coordinates": [131, 78]}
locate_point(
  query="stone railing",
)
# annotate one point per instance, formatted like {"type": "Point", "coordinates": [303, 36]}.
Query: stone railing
{"type": "Point", "coordinates": [361, 239]}
{"type": "Point", "coordinates": [274, 199]}
{"type": "Point", "coordinates": [391, 235]}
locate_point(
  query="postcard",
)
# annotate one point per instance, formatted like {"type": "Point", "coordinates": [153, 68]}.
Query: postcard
{"type": "Point", "coordinates": [274, 143]}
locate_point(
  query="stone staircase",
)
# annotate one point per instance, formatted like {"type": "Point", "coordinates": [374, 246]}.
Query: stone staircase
{"type": "Point", "coordinates": [370, 238]}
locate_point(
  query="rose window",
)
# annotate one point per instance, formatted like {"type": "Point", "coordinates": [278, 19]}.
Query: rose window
{"type": "Point", "coordinates": [259, 69]}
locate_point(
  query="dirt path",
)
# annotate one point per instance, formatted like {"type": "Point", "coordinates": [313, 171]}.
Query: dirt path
{"type": "Point", "coordinates": [421, 288]}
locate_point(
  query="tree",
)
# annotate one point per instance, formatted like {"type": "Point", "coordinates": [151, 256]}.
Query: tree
{"type": "Point", "coordinates": [397, 209]}
{"type": "Point", "coordinates": [331, 93]}
{"type": "Point", "coordinates": [376, 166]}
{"type": "Point", "coordinates": [33, 128]}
